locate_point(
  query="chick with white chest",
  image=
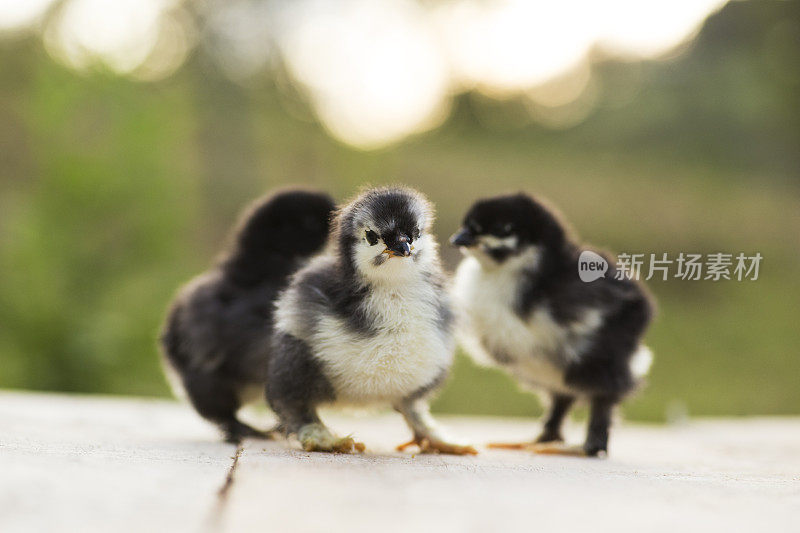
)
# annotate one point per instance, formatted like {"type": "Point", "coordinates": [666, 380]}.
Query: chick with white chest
{"type": "Point", "coordinates": [524, 308]}
{"type": "Point", "coordinates": [368, 323]}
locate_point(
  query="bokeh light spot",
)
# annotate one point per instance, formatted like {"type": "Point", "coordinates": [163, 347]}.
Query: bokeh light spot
{"type": "Point", "coordinates": [373, 70]}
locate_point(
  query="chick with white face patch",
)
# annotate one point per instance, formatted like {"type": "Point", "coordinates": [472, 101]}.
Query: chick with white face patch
{"type": "Point", "coordinates": [523, 307]}
{"type": "Point", "coordinates": [369, 322]}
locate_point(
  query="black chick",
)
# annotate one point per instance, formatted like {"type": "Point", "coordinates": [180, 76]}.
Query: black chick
{"type": "Point", "coordinates": [217, 334]}
{"type": "Point", "coordinates": [525, 308]}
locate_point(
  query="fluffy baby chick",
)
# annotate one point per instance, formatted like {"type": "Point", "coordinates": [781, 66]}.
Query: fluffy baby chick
{"type": "Point", "coordinates": [526, 309]}
{"type": "Point", "coordinates": [368, 323]}
{"type": "Point", "coordinates": [217, 335]}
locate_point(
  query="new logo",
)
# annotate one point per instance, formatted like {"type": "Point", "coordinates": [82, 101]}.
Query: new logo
{"type": "Point", "coordinates": [591, 266]}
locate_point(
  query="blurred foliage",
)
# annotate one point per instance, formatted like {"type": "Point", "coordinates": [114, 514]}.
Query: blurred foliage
{"type": "Point", "coordinates": [113, 192]}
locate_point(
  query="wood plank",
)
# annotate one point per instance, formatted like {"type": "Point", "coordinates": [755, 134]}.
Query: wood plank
{"type": "Point", "coordinates": [738, 475]}
{"type": "Point", "coordinates": [88, 464]}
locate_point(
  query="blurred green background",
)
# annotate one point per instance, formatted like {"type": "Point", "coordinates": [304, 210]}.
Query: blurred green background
{"type": "Point", "coordinates": [114, 191]}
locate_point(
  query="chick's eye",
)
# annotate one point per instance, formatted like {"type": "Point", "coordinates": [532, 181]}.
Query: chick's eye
{"type": "Point", "coordinates": [372, 237]}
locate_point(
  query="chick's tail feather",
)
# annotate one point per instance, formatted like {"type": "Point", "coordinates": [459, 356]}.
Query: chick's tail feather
{"type": "Point", "coordinates": [276, 233]}
{"type": "Point", "coordinates": [641, 361]}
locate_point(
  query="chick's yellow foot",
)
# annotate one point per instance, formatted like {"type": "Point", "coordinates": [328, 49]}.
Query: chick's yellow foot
{"type": "Point", "coordinates": [527, 445]}
{"type": "Point", "coordinates": [544, 448]}
{"type": "Point", "coordinates": [318, 438]}
{"type": "Point", "coordinates": [549, 437]}
{"type": "Point", "coordinates": [545, 437]}
{"type": "Point", "coordinates": [558, 448]}
{"type": "Point", "coordinates": [434, 445]}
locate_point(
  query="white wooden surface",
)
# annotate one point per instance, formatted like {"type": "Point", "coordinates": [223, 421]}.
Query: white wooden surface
{"type": "Point", "coordinates": [84, 464]}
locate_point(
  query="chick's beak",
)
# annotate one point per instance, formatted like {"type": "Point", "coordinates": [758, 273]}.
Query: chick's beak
{"type": "Point", "coordinates": [462, 237]}
{"type": "Point", "coordinates": [400, 248]}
